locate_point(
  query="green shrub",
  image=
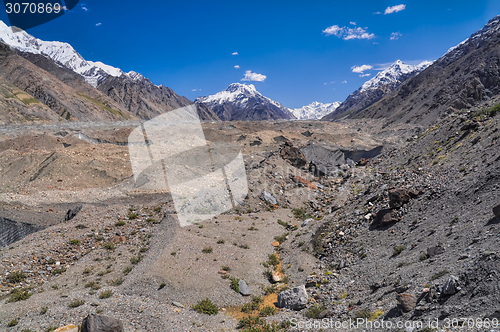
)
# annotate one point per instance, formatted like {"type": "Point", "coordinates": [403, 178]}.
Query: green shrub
{"type": "Point", "coordinates": [234, 284]}
{"type": "Point", "coordinates": [206, 306]}
{"type": "Point", "coordinates": [267, 311]}
{"type": "Point", "coordinates": [398, 250]}
{"type": "Point", "coordinates": [16, 277]}
{"type": "Point", "coordinates": [74, 242]}
{"type": "Point", "coordinates": [92, 285]}
{"type": "Point", "coordinates": [298, 212]}
{"type": "Point", "coordinates": [423, 256]}
{"type": "Point", "coordinates": [135, 260]}
{"type": "Point", "coordinates": [221, 241]}
{"type": "Point", "coordinates": [127, 270]}
{"type": "Point", "coordinates": [363, 313]}
{"type": "Point", "coordinates": [44, 310]}
{"type": "Point", "coordinates": [314, 311]}
{"type": "Point", "coordinates": [76, 303]}
{"type": "Point", "coordinates": [273, 260]}
{"type": "Point", "coordinates": [143, 249]}
{"type": "Point", "coordinates": [438, 275]}
{"type": "Point", "coordinates": [80, 226]}
{"type": "Point", "coordinates": [120, 223]}
{"type": "Point", "coordinates": [59, 270]}
{"type": "Point", "coordinates": [12, 323]}
{"type": "Point", "coordinates": [106, 294]}
{"type": "Point", "coordinates": [132, 216]}
{"type": "Point", "coordinates": [207, 250]}
{"type": "Point", "coordinates": [19, 295]}
{"type": "Point", "coordinates": [281, 238]}
{"type": "Point", "coordinates": [109, 246]}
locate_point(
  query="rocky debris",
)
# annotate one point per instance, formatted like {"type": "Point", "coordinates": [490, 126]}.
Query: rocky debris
{"type": "Point", "coordinates": [72, 213]}
{"type": "Point", "coordinates": [294, 298]}
{"type": "Point", "coordinates": [293, 155]}
{"type": "Point", "coordinates": [269, 198]}
{"type": "Point", "coordinates": [307, 133]}
{"type": "Point", "coordinates": [496, 211]}
{"type": "Point", "coordinates": [67, 328]}
{"type": "Point", "coordinates": [406, 302]}
{"type": "Point", "coordinates": [98, 323]}
{"type": "Point", "coordinates": [244, 288]}
{"type": "Point", "coordinates": [302, 181]}
{"type": "Point", "coordinates": [277, 276]}
{"type": "Point", "coordinates": [280, 139]}
{"type": "Point", "coordinates": [117, 239]}
{"type": "Point", "coordinates": [450, 287]}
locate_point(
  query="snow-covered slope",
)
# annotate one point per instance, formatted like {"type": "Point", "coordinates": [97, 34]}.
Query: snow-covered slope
{"type": "Point", "coordinates": [315, 110]}
{"type": "Point", "coordinates": [393, 75]}
{"type": "Point", "coordinates": [244, 102]}
{"type": "Point", "coordinates": [374, 89]}
{"type": "Point", "coordinates": [63, 54]}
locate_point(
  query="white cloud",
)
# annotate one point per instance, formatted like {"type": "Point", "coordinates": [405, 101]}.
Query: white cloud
{"type": "Point", "coordinates": [394, 9]}
{"type": "Point", "coordinates": [249, 76]}
{"type": "Point", "coordinates": [237, 67]}
{"type": "Point", "coordinates": [97, 24]}
{"type": "Point", "coordinates": [344, 81]}
{"type": "Point", "coordinates": [395, 35]}
{"type": "Point", "coordinates": [377, 13]}
{"type": "Point", "coordinates": [196, 90]}
{"type": "Point", "coordinates": [353, 23]}
{"type": "Point", "coordinates": [364, 75]}
{"type": "Point", "coordinates": [361, 69]}
{"type": "Point", "coordinates": [84, 7]}
{"type": "Point", "coordinates": [347, 33]}
{"type": "Point", "coordinates": [234, 53]}
{"type": "Point", "coordinates": [325, 83]}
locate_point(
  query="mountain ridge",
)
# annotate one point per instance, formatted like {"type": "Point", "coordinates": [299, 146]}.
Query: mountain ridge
{"type": "Point", "coordinates": [315, 110]}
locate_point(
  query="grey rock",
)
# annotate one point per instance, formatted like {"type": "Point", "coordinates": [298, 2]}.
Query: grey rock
{"type": "Point", "coordinates": [294, 298]}
{"type": "Point", "coordinates": [177, 304]}
{"type": "Point", "coordinates": [72, 213]}
{"type": "Point", "coordinates": [268, 198]}
{"type": "Point", "coordinates": [98, 323]}
{"type": "Point", "coordinates": [451, 286]}
{"type": "Point", "coordinates": [244, 288]}
{"type": "Point", "coordinates": [496, 211]}
{"type": "Point", "coordinates": [433, 251]}
{"type": "Point", "coordinates": [306, 222]}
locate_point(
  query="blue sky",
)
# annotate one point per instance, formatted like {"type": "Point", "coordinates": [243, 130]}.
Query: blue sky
{"type": "Point", "coordinates": [297, 46]}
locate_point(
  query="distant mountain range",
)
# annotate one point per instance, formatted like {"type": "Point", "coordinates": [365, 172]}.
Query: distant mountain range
{"type": "Point", "coordinates": [466, 76]}
{"type": "Point", "coordinates": [315, 110]}
{"type": "Point", "coordinates": [244, 102]}
{"type": "Point", "coordinates": [75, 89]}
{"type": "Point", "coordinates": [374, 89]}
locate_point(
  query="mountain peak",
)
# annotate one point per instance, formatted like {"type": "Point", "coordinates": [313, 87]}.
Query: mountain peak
{"type": "Point", "coordinates": [243, 102]}
{"type": "Point", "coordinates": [393, 74]}
{"type": "Point", "coordinates": [315, 110]}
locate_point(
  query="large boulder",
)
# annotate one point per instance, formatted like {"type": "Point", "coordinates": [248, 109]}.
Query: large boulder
{"type": "Point", "coordinates": [294, 298]}
{"type": "Point", "coordinates": [385, 217]}
{"type": "Point", "coordinates": [72, 213]}
{"type": "Point", "coordinates": [98, 323]}
{"type": "Point", "coordinates": [268, 198]}
{"type": "Point", "coordinates": [451, 286]}
{"type": "Point", "coordinates": [406, 302]}
{"type": "Point", "coordinates": [398, 197]}
{"type": "Point", "coordinates": [293, 155]}
{"type": "Point", "coordinates": [244, 288]}
{"type": "Point", "coordinates": [496, 211]}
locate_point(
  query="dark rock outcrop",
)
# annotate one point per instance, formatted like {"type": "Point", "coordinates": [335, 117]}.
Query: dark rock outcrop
{"type": "Point", "coordinates": [98, 323]}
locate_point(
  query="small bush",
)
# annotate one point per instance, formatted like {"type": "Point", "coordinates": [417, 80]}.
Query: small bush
{"type": "Point", "coordinates": [120, 223]}
{"type": "Point", "coordinates": [298, 212]}
{"type": "Point", "coordinates": [438, 275]}
{"type": "Point", "coordinates": [283, 223]}
{"type": "Point", "coordinates": [92, 285]}
{"type": "Point", "coordinates": [76, 303]}
{"type": "Point", "coordinates": [423, 256]}
{"type": "Point", "coordinates": [221, 241]}
{"type": "Point", "coordinates": [314, 311]}
{"type": "Point", "coordinates": [19, 295]}
{"type": "Point", "coordinates": [135, 260]}
{"type": "Point", "coordinates": [234, 284]}
{"type": "Point", "coordinates": [12, 323]}
{"type": "Point", "coordinates": [127, 270]}
{"type": "Point", "coordinates": [281, 238]}
{"type": "Point", "coordinates": [44, 310]}
{"type": "Point", "coordinates": [58, 270]}
{"type": "Point", "coordinates": [226, 268]}
{"type": "Point", "coordinates": [16, 277]}
{"type": "Point", "coordinates": [398, 250]}
{"type": "Point", "coordinates": [267, 311]}
{"type": "Point", "coordinates": [109, 246]}
{"type": "Point", "coordinates": [206, 306]}
{"type": "Point", "coordinates": [143, 249]}
{"type": "Point", "coordinates": [363, 313]}
{"type": "Point", "coordinates": [87, 270]}
{"type": "Point", "coordinates": [273, 260]}
{"type": "Point", "coordinates": [117, 282]}
{"type": "Point", "coordinates": [132, 216]}
{"type": "Point", "coordinates": [80, 226]}
{"type": "Point", "coordinates": [74, 242]}
{"type": "Point", "coordinates": [106, 294]}
{"type": "Point", "coordinates": [207, 250]}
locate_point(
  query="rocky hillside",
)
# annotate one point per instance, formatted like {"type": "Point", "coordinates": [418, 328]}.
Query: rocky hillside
{"type": "Point", "coordinates": [244, 102]}
{"type": "Point", "coordinates": [121, 95]}
{"type": "Point", "coordinates": [468, 75]}
{"type": "Point", "coordinates": [377, 87]}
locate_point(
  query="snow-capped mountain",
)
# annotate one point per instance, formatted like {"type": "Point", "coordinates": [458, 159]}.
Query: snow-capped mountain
{"type": "Point", "coordinates": [63, 54]}
{"type": "Point", "coordinates": [244, 102]}
{"type": "Point", "coordinates": [374, 89]}
{"type": "Point", "coordinates": [315, 110]}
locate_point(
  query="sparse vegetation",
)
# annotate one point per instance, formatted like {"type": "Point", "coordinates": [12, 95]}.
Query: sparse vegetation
{"type": "Point", "coordinates": [109, 246]}
{"type": "Point", "coordinates": [132, 216]}
{"type": "Point", "coordinates": [221, 241]}
{"type": "Point", "coordinates": [106, 294]}
{"type": "Point", "coordinates": [120, 223]}
{"type": "Point", "coordinates": [234, 284]}
{"type": "Point", "coordinates": [438, 275]}
{"type": "Point", "coordinates": [19, 294]}
{"type": "Point", "coordinates": [398, 250]}
{"type": "Point", "coordinates": [16, 277]}
{"type": "Point", "coordinates": [207, 250]}
{"type": "Point", "coordinates": [127, 270]}
{"type": "Point", "coordinates": [12, 323]}
{"type": "Point", "coordinates": [314, 311]}
{"type": "Point", "coordinates": [136, 259]}
{"type": "Point", "coordinates": [76, 303]}
{"type": "Point", "coordinates": [74, 242]}
{"type": "Point", "coordinates": [92, 285]}
{"type": "Point", "coordinates": [206, 306]}
{"type": "Point", "coordinates": [267, 311]}
{"type": "Point", "coordinates": [281, 238]}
